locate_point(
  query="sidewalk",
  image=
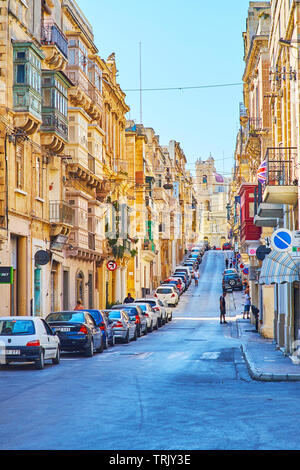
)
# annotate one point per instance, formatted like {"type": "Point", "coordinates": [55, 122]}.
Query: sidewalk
{"type": "Point", "coordinates": [264, 361]}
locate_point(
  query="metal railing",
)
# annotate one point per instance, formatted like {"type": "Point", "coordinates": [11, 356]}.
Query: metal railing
{"type": "Point", "coordinates": [52, 35]}
{"type": "Point", "coordinates": [61, 212]}
{"type": "Point", "coordinates": [255, 124]}
{"type": "Point", "coordinates": [281, 166]}
{"type": "Point", "coordinates": [52, 123]}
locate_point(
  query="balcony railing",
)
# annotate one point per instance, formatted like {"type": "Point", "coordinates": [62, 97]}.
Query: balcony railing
{"type": "Point", "coordinates": [281, 166]}
{"type": "Point", "coordinates": [51, 123]}
{"type": "Point", "coordinates": [52, 35]}
{"type": "Point", "coordinates": [255, 124]}
{"type": "Point", "coordinates": [61, 213]}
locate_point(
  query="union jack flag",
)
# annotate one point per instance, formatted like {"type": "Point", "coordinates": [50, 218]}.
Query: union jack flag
{"type": "Point", "coordinates": [262, 172]}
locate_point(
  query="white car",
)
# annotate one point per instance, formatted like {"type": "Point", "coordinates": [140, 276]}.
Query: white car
{"type": "Point", "coordinates": [157, 306]}
{"type": "Point", "coordinates": [28, 339]}
{"type": "Point", "coordinates": [150, 314]}
{"type": "Point", "coordinates": [167, 292]}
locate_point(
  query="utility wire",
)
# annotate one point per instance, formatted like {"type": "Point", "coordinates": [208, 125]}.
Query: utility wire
{"type": "Point", "coordinates": [185, 87]}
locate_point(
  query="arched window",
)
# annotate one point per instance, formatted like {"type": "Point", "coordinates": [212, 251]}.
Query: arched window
{"type": "Point", "coordinates": [80, 286]}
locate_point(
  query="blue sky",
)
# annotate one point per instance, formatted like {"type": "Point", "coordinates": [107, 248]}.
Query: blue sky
{"type": "Point", "coordinates": [191, 43]}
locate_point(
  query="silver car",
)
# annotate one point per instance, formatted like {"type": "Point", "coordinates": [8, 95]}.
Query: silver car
{"type": "Point", "coordinates": [151, 316]}
{"type": "Point", "coordinates": [157, 306]}
{"type": "Point", "coordinates": [123, 328]}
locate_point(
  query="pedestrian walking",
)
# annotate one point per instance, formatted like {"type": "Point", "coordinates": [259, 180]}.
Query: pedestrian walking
{"type": "Point", "coordinates": [78, 305]}
{"type": "Point", "coordinates": [226, 263]}
{"type": "Point", "coordinates": [223, 308]}
{"type": "Point", "coordinates": [129, 299]}
{"type": "Point", "coordinates": [196, 277]}
{"type": "Point", "coordinates": [247, 304]}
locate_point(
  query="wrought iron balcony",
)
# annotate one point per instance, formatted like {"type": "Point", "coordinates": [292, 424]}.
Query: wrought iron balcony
{"type": "Point", "coordinates": [52, 35]}
{"type": "Point", "coordinates": [51, 123]}
{"type": "Point", "coordinates": [61, 213]}
{"type": "Point", "coordinates": [281, 166]}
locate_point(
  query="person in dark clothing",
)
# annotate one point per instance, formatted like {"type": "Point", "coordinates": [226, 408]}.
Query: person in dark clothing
{"type": "Point", "coordinates": [226, 263]}
{"type": "Point", "coordinates": [128, 299]}
{"type": "Point", "coordinates": [223, 308]}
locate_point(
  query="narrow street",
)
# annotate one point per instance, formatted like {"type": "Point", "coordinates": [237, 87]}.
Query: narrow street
{"type": "Point", "coordinates": [185, 386]}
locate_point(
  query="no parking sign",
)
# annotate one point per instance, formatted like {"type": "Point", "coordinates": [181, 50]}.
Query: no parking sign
{"type": "Point", "coordinates": [112, 265]}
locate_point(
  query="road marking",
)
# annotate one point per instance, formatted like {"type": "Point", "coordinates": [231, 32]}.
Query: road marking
{"type": "Point", "coordinates": [210, 355]}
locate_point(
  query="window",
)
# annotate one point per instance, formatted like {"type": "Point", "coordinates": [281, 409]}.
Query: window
{"type": "Point", "coordinates": [39, 177]}
{"type": "Point", "coordinates": [20, 76]}
{"type": "Point", "coordinates": [20, 166]}
{"type": "Point", "coordinates": [80, 286]}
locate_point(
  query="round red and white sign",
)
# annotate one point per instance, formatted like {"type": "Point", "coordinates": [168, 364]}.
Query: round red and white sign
{"type": "Point", "coordinates": [112, 265]}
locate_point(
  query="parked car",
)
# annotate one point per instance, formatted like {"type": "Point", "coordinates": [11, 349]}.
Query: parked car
{"type": "Point", "coordinates": [168, 293]}
{"type": "Point", "coordinates": [151, 316]}
{"type": "Point", "coordinates": [184, 277]}
{"type": "Point", "coordinates": [28, 339]}
{"type": "Point", "coordinates": [124, 328]}
{"type": "Point", "coordinates": [135, 314]}
{"type": "Point", "coordinates": [230, 271]}
{"type": "Point", "coordinates": [175, 282]}
{"type": "Point", "coordinates": [77, 331]}
{"type": "Point", "coordinates": [158, 306]}
{"type": "Point", "coordinates": [184, 269]}
{"type": "Point", "coordinates": [232, 282]}
{"type": "Point", "coordinates": [106, 329]}
{"type": "Point", "coordinates": [227, 246]}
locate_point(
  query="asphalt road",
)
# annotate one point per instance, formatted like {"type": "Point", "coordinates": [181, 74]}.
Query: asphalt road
{"type": "Point", "coordinates": [183, 387]}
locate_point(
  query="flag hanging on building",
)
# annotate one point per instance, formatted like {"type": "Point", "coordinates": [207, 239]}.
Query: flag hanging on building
{"type": "Point", "coordinates": [262, 172]}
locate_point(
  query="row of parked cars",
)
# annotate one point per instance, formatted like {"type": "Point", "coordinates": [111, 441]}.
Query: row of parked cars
{"type": "Point", "coordinates": [172, 288]}
{"type": "Point", "coordinates": [88, 331]}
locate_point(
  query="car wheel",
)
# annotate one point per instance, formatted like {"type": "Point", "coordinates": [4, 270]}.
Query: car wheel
{"type": "Point", "coordinates": [145, 330]}
{"type": "Point", "coordinates": [40, 362]}
{"type": "Point", "coordinates": [113, 341]}
{"type": "Point", "coordinates": [126, 339]}
{"type": "Point", "coordinates": [102, 346]}
{"type": "Point", "coordinates": [105, 346]}
{"type": "Point", "coordinates": [160, 323]}
{"type": "Point", "coordinates": [56, 360]}
{"type": "Point", "coordinates": [135, 336]}
{"type": "Point", "coordinates": [171, 316]}
{"type": "Point", "coordinates": [90, 350]}
{"type": "Point", "coordinates": [156, 326]}
{"type": "Point", "coordinates": [150, 329]}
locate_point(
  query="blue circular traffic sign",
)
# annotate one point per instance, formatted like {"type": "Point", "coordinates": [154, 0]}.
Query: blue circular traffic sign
{"type": "Point", "coordinates": [282, 240]}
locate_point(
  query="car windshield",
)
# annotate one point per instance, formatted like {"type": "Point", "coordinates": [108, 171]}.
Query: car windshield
{"type": "Point", "coordinates": [76, 317]}
{"type": "Point", "coordinates": [230, 276]}
{"type": "Point", "coordinates": [164, 291]}
{"type": "Point", "coordinates": [17, 327]}
{"type": "Point", "coordinates": [151, 302]}
{"type": "Point", "coordinates": [115, 314]}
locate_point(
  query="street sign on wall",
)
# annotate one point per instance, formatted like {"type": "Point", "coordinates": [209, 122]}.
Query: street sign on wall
{"type": "Point", "coordinates": [282, 240]}
{"type": "Point", "coordinates": [6, 275]}
{"type": "Point", "coordinates": [112, 265]}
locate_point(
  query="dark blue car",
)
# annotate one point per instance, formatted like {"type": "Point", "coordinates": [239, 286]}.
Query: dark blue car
{"type": "Point", "coordinates": [106, 328]}
{"type": "Point", "coordinates": [77, 331]}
